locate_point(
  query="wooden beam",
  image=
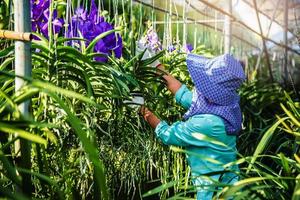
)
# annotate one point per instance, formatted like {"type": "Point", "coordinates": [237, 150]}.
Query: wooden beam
{"type": "Point", "coordinates": [11, 35]}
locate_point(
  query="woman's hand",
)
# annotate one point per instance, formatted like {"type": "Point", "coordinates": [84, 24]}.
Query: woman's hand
{"type": "Point", "coordinates": [149, 117]}
{"type": "Point", "coordinates": [161, 70]}
{"type": "Point", "coordinates": [172, 83]}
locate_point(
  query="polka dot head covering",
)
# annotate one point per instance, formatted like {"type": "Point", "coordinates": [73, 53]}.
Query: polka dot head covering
{"type": "Point", "coordinates": [216, 82]}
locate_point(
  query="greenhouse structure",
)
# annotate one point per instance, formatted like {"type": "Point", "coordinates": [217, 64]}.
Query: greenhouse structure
{"type": "Point", "coordinates": [150, 99]}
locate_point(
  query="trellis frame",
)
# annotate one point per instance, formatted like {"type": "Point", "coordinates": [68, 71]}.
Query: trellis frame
{"type": "Point", "coordinates": [233, 19]}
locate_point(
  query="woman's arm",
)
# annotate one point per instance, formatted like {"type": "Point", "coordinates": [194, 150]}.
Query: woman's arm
{"type": "Point", "coordinates": [182, 94]}
{"type": "Point", "coordinates": [172, 83]}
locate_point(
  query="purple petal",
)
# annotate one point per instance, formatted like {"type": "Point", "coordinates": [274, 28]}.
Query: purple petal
{"type": "Point", "coordinates": [44, 29]}
{"type": "Point", "coordinates": [118, 48]}
{"type": "Point", "coordinates": [47, 14]}
{"type": "Point", "coordinates": [101, 59]}
{"type": "Point", "coordinates": [57, 24]}
{"type": "Point", "coordinates": [190, 47]}
{"type": "Point", "coordinates": [80, 15]}
{"type": "Point", "coordinates": [171, 48]}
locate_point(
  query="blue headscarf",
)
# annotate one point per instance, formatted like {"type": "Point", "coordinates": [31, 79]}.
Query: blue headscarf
{"type": "Point", "coordinates": [216, 81]}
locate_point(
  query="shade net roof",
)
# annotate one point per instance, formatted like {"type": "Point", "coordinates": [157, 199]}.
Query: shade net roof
{"type": "Point", "coordinates": [245, 24]}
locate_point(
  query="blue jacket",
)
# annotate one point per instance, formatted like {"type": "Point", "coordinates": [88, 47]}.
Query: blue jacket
{"type": "Point", "coordinates": [206, 142]}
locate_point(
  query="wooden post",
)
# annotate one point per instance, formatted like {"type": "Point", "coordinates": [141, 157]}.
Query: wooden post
{"type": "Point", "coordinates": [23, 68]}
{"type": "Point", "coordinates": [227, 28]}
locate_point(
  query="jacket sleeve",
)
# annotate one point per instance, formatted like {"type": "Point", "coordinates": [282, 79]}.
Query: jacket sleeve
{"type": "Point", "coordinates": [170, 135]}
{"type": "Point", "coordinates": [183, 133]}
{"type": "Point", "coordinates": [184, 97]}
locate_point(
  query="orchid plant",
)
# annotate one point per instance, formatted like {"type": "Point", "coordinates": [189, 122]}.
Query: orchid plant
{"type": "Point", "coordinates": [87, 25]}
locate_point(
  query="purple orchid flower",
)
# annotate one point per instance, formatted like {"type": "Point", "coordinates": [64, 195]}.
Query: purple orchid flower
{"type": "Point", "coordinates": [80, 15]}
{"type": "Point", "coordinates": [40, 18]}
{"type": "Point", "coordinates": [119, 47]}
{"type": "Point", "coordinates": [90, 26]}
{"type": "Point", "coordinates": [153, 40]}
{"type": "Point", "coordinates": [188, 48]}
{"type": "Point", "coordinates": [171, 48]}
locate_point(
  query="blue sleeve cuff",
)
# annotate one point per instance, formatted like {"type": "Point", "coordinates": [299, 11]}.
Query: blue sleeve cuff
{"type": "Point", "coordinates": [160, 127]}
{"type": "Point", "coordinates": [180, 92]}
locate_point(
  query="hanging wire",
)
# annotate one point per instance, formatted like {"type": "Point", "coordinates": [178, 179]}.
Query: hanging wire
{"type": "Point", "coordinates": [86, 4]}
{"type": "Point", "coordinates": [297, 28]}
{"type": "Point", "coordinates": [67, 20]}
{"type": "Point", "coordinates": [131, 19]}
{"type": "Point", "coordinates": [152, 16]}
{"type": "Point", "coordinates": [169, 42]}
{"type": "Point", "coordinates": [99, 10]}
{"type": "Point", "coordinates": [124, 18]}
{"type": "Point", "coordinates": [116, 3]}
{"type": "Point", "coordinates": [166, 26]}
{"type": "Point", "coordinates": [216, 29]}
{"type": "Point", "coordinates": [141, 21]}
{"type": "Point", "coordinates": [102, 4]}
{"type": "Point", "coordinates": [184, 24]}
{"type": "Point", "coordinates": [289, 72]}
{"type": "Point", "coordinates": [165, 31]}
{"type": "Point", "coordinates": [109, 6]}
{"type": "Point", "coordinates": [177, 23]}
{"type": "Point", "coordinates": [195, 35]}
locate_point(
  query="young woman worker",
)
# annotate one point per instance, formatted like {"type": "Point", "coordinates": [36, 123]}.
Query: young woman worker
{"type": "Point", "coordinates": [213, 111]}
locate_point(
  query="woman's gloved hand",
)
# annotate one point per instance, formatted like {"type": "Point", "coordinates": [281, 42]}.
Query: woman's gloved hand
{"type": "Point", "coordinates": [149, 53]}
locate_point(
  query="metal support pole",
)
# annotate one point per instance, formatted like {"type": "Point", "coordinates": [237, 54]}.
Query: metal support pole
{"type": "Point", "coordinates": [23, 68]}
{"type": "Point", "coordinates": [227, 27]}
{"type": "Point", "coordinates": [285, 40]}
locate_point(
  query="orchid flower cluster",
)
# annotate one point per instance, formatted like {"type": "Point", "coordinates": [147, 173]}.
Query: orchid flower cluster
{"type": "Point", "coordinates": [151, 40]}
{"type": "Point", "coordinates": [88, 25]}
{"type": "Point", "coordinates": [188, 48]}
{"type": "Point", "coordinates": [40, 14]}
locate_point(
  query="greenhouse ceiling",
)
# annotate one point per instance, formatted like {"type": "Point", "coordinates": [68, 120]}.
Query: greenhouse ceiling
{"type": "Point", "coordinates": [245, 24]}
